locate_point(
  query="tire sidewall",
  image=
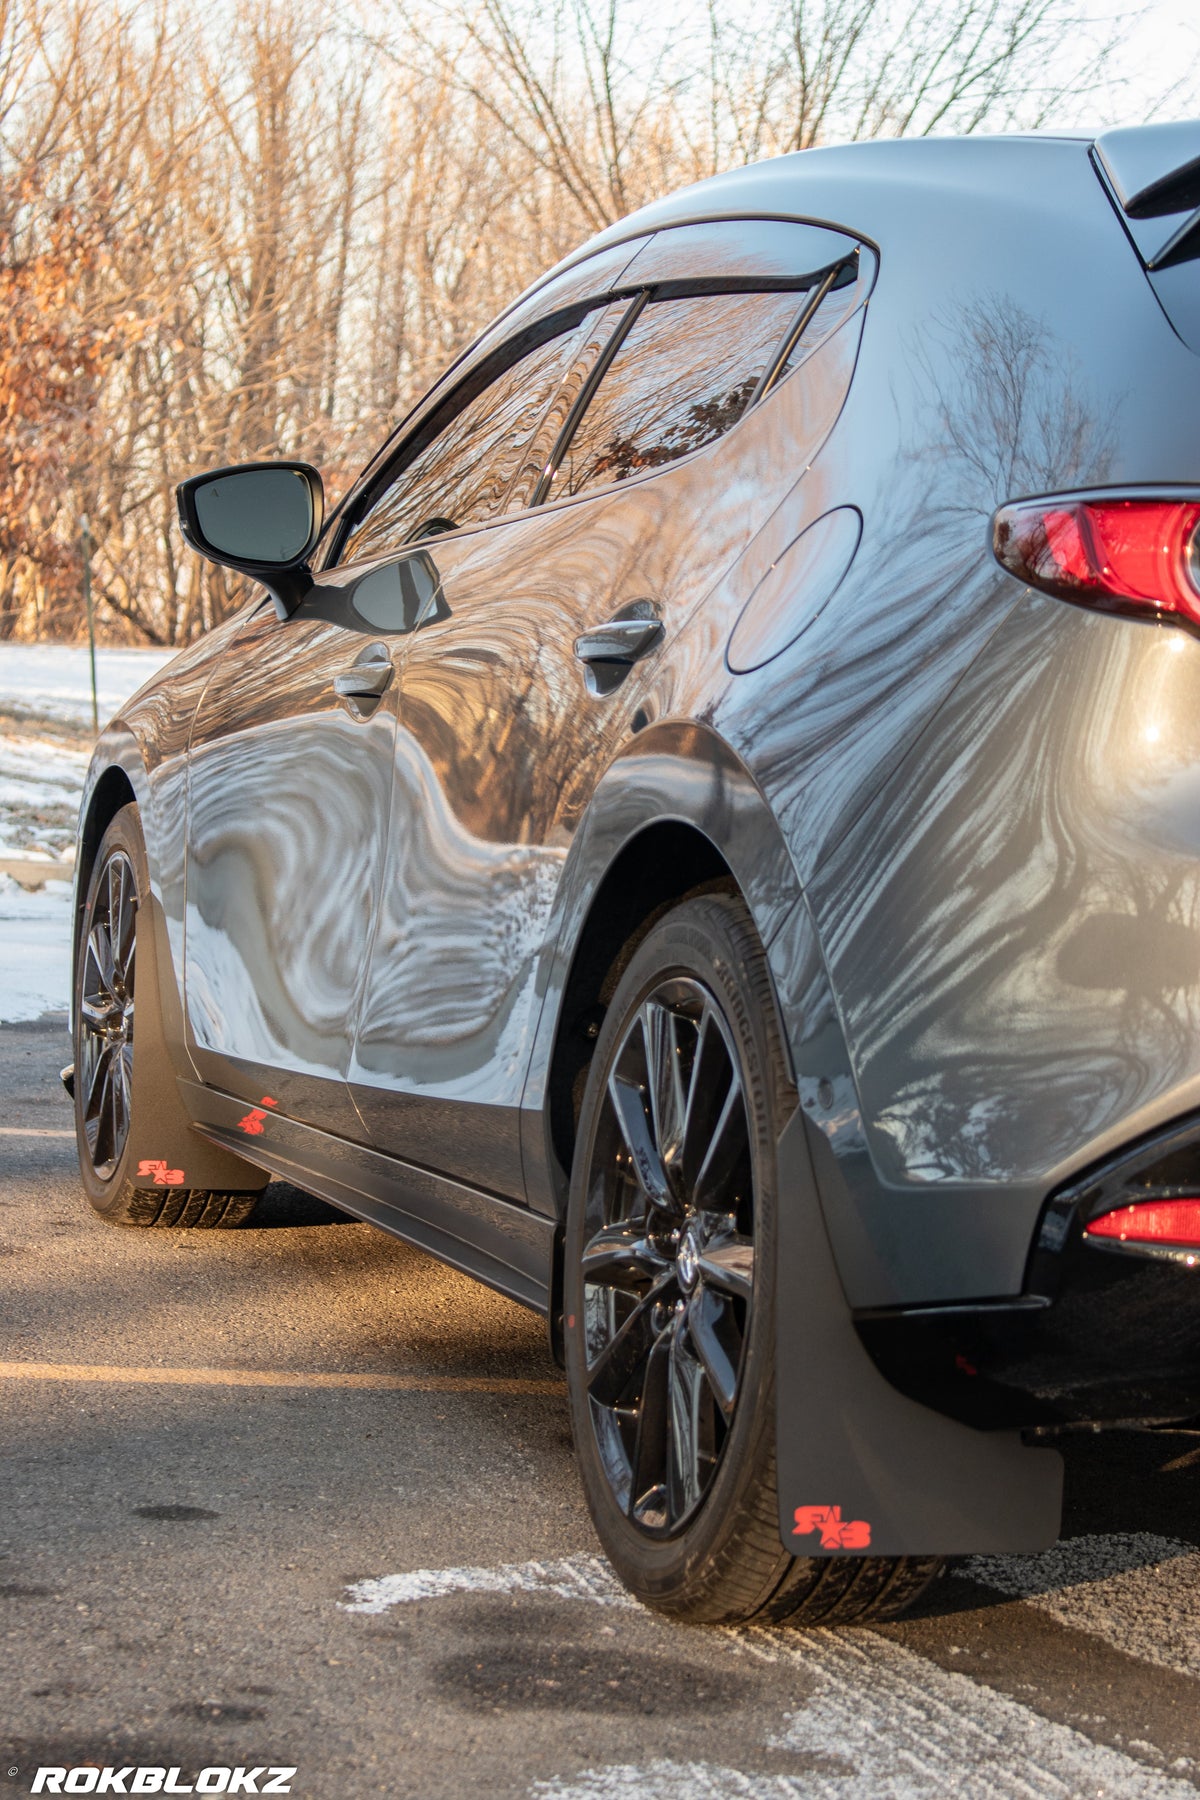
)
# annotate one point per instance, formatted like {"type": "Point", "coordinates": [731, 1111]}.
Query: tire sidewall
{"type": "Point", "coordinates": [107, 1196]}
{"type": "Point", "coordinates": [699, 939]}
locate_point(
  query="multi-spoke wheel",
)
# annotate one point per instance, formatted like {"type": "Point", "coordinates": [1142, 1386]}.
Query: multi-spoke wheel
{"type": "Point", "coordinates": [104, 1065]}
{"type": "Point", "coordinates": [667, 1264]}
{"type": "Point", "coordinates": [669, 1288]}
{"type": "Point", "coordinates": [127, 1184]}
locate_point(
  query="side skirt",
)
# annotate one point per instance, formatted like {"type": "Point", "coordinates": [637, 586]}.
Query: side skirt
{"type": "Point", "coordinates": [507, 1247]}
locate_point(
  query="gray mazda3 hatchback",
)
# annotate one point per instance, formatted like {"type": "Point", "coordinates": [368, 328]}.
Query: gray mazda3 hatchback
{"type": "Point", "coordinates": [706, 839]}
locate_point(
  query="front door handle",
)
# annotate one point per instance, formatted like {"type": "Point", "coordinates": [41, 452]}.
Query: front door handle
{"type": "Point", "coordinates": [366, 679]}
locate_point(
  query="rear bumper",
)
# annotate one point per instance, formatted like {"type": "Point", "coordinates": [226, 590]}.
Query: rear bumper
{"type": "Point", "coordinates": [1102, 1334]}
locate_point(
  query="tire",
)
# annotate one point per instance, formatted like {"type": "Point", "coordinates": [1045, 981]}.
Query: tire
{"type": "Point", "coordinates": [105, 1045]}
{"type": "Point", "coordinates": [669, 1341]}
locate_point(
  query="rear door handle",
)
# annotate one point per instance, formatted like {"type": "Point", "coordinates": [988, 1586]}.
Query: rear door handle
{"type": "Point", "coordinates": [610, 651]}
{"type": "Point", "coordinates": [633, 633]}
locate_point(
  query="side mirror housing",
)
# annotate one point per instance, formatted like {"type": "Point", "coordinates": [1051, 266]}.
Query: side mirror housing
{"type": "Point", "coordinates": [263, 519]}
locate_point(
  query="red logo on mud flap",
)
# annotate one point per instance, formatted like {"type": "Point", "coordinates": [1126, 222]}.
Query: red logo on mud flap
{"type": "Point", "coordinates": [160, 1174]}
{"type": "Point", "coordinates": [836, 1533]}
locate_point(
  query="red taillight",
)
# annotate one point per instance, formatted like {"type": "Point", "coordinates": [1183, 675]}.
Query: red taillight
{"type": "Point", "coordinates": [1121, 555]}
{"type": "Point", "coordinates": [1171, 1223]}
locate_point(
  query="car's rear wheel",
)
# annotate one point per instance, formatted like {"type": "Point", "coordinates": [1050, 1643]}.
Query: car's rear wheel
{"type": "Point", "coordinates": [106, 1045]}
{"type": "Point", "coordinates": [669, 1289]}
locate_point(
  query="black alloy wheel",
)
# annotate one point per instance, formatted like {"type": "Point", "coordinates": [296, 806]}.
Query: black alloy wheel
{"type": "Point", "coordinates": [104, 1060]}
{"type": "Point", "coordinates": [668, 1259]}
{"type": "Point", "coordinates": [130, 1137]}
{"type": "Point", "coordinates": [670, 1288]}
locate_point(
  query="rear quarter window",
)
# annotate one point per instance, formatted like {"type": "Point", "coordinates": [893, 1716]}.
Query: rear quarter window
{"type": "Point", "coordinates": [685, 373]}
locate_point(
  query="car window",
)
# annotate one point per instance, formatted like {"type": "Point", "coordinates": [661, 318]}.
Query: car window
{"type": "Point", "coordinates": [684, 374]}
{"type": "Point", "coordinates": [535, 460]}
{"type": "Point", "coordinates": [832, 310]}
{"type": "Point", "coordinates": [738, 256]}
{"type": "Point", "coordinates": [462, 475]}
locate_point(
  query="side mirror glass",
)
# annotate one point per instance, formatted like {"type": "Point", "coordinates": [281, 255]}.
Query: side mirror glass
{"type": "Point", "coordinates": [263, 519]}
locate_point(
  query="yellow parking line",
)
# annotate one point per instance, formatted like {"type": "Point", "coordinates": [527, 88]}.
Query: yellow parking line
{"type": "Point", "coordinates": [33, 1131]}
{"type": "Point", "coordinates": [302, 1378]}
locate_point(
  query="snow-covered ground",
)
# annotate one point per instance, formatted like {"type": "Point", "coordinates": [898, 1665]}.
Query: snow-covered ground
{"type": "Point", "coordinates": [53, 681]}
{"type": "Point", "coordinates": [45, 747]}
{"type": "Point", "coordinates": [41, 778]}
{"type": "Point", "coordinates": [35, 950]}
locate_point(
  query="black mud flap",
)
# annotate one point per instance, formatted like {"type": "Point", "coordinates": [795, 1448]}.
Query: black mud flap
{"type": "Point", "coordinates": [861, 1466]}
{"type": "Point", "coordinates": [165, 1150]}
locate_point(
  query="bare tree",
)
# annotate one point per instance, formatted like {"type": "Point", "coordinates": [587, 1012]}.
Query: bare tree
{"type": "Point", "coordinates": [224, 236]}
{"type": "Point", "coordinates": [845, 69]}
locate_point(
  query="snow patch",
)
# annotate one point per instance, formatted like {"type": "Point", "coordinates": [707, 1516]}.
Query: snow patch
{"type": "Point", "coordinates": [41, 781]}
{"type": "Point", "coordinates": [54, 681]}
{"type": "Point", "coordinates": [568, 1577]}
{"type": "Point", "coordinates": [35, 950]}
{"type": "Point", "coordinates": [881, 1720]}
{"type": "Point", "coordinates": [663, 1779]}
{"type": "Point", "coordinates": [915, 1731]}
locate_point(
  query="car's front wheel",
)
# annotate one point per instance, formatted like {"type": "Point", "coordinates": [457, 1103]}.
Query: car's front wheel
{"type": "Point", "coordinates": [121, 1188]}
{"type": "Point", "coordinates": [670, 1295]}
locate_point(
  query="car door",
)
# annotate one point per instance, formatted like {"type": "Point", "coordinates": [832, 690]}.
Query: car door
{"type": "Point", "coordinates": [288, 787]}
{"type": "Point", "coordinates": [503, 729]}
{"type": "Point", "coordinates": [291, 765]}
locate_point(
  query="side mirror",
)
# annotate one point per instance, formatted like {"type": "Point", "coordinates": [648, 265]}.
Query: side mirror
{"type": "Point", "coordinates": [263, 519]}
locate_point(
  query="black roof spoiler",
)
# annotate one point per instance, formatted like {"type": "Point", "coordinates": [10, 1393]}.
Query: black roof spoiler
{"type": "Point", "coordinates": [1153, 172]}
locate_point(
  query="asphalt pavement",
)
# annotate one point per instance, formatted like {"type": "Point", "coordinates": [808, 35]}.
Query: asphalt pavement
{"type": "Point", "coordinates": [294, 1496]}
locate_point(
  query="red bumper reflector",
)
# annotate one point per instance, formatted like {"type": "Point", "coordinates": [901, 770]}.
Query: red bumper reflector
{"type": "Point", "coordinates": [1132, 555]}
{"type": "Point", "coordinates": [1174, 1223]}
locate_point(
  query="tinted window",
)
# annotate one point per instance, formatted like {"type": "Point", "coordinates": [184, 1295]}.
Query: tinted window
{"type": "Point", "coordinates": [536, 458]}
{"type": "Point", "coordinates": [462, 475]}
{"type": "Point", "coordinates": [837, 305]}
{"type": "Point", "coordinates": [684, 375]}
{"type": "Point", "coordinates": [739, 256]}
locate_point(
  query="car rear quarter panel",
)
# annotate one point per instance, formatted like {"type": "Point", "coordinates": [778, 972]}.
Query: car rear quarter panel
{"type": "Point", "coordinates": [1012, 929]}
{"type": "Point", "coordinates": [992, 799]}
{"type": "Point", "coordinates": [1012, 346]}
{"type": "Point", "coordinates": [994, 974]}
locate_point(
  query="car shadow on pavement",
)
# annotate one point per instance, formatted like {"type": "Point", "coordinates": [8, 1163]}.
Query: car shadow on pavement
{"type": "Point", "coordinates": [284, 1207]}
{"type": "Point", "coordinates": [1129, 1502]}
